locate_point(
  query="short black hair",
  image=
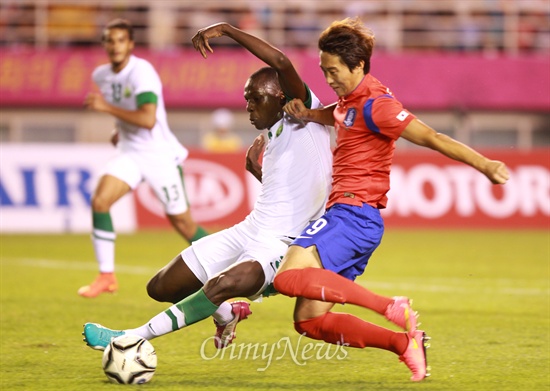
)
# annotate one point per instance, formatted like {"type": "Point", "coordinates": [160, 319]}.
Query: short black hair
{"type": "Point", "coordinates": [267, 75]}
{"type": "Point", "coordinates": [122, 24]}
{"type": "Point", "coordinates": [350, 40]}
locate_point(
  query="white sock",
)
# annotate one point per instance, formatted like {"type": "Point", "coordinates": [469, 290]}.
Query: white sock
{"type": "Point", "coordinates": [160, 324]}
{"type": "Point", "coordinates": [104, 247]}
{"type": "Point", "coordinates": [224, 314]}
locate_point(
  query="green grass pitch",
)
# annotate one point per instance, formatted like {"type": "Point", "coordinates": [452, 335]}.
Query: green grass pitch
{"type": "Point", "coordinates": [483, 297]}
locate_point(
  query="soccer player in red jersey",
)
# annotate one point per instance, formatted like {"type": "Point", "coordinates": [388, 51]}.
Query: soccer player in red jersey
{"type": "Point", "coordinates": [322, 263]}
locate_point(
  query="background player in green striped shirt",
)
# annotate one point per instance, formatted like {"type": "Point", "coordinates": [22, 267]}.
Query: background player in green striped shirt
{"type": "Point", "coordinates": [131, 91]}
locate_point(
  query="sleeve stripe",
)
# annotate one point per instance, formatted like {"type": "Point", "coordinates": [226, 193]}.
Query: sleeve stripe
{"type": "Point", "coordinates": [146, 97]}
{"type": "Point", "coordinates": [309, 99]}
{"type": "Point", "coordinates": [367, 113]}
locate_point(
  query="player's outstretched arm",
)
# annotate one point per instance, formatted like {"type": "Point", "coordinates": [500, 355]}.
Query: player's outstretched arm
{"type": "Point", "coordinates": [296, 108]}
{"type": "Point", "coordinates": [253, 157]}
{"type": "Point", "coordinates": [290, 81]}
{"type": "Point", "coordinates": [144, 117]}
{"type": "Point", "coordinates": [421, 134]}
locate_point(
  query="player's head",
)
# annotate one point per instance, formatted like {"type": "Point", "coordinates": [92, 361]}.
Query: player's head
{"type": "Point", "coordinates": [345, 52]}
{"type": "Point", "coordinates": [264, 98]}
{"type": "Point", "coordinates": [118, 41]}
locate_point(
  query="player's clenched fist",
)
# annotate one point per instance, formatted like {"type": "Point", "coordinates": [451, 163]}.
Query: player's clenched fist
{"type": "Point", "coordinates": [95, 101]}
{"type": "Point", "coordinates": [297, 109]}
{"type": "Point", "coordinates": [253, 156]}
{"type": "Point", "coordinates": [257, 147]}
{"type": "Point", "coordinates": [497, 172]}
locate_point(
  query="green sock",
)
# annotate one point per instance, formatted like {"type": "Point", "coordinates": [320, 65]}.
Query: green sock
{"type": "Point", "coordinates": [102, 221]}
{"type": "Point", "coordinates": [201, 233]}
{"type": "Point", "coordinates": [194, 308]}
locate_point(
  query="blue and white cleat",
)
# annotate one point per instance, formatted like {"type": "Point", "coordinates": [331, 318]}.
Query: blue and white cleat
{"type": "Point", "coordinates": [98, 337]}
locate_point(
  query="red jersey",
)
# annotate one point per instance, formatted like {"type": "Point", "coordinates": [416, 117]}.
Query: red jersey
{"type": "Point", "coordinates": [367, 123]}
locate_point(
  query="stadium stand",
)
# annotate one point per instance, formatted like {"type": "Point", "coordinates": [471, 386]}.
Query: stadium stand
{"type": "Point", "coordinates": [506, 25]}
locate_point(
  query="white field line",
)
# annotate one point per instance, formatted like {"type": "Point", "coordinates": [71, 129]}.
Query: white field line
{"type": "Point", "coordinates": [74, 265]}
{"type": "Point", "coordinates": [451, 285]}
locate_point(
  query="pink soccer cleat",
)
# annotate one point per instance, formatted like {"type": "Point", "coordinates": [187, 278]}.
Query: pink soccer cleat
{"type": "Point", "coordinates": [401, 313]}
{"type": "Point", "coordinates": [225, 334]}
{"type": "Point", "coordinates": [415, 356]}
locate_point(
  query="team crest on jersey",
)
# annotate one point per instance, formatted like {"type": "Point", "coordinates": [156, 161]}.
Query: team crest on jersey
{"type": "Point", "coordinates": [350, 117]}
{"type": "Point", "coordinates": [127, 92]}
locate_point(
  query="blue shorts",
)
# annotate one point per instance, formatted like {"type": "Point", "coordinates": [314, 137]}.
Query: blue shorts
{"type": "Point", "coordinates": [345, 237]}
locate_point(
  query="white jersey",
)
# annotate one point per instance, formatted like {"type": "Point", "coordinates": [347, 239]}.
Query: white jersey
{"type": "Point", "coordinates": [296, 176]}
{"type": "Point", "coordinates": [122, 89]}
{"type": "Point", "coordinates": [296, 181]}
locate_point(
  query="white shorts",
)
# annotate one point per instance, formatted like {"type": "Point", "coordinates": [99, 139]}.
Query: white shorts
{"type": "Point", "coordinates": [162, 173]}
{"type": "Point", "coordinates": [214, 253]}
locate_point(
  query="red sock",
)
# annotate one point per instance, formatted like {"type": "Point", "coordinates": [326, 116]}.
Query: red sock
{"type": "Point", "coordinates": [338, 328]}
{"type": "Point", "coordinates": [325, 285]}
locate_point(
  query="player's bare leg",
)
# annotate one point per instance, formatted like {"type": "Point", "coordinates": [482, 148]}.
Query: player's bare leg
{"type": "Point", "coordinates": [174, 282]}
{"type": "Point", "coordinates": [186, 226]}
{"type": "Point", "coordinates": [242, 279]}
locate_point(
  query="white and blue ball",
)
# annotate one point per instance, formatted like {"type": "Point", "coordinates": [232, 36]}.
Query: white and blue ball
{"type": "Point", "coordinates": [129, 359]}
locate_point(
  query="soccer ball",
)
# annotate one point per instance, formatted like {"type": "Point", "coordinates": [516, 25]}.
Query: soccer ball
{"type": "Point", "coordinates": [129, 359]}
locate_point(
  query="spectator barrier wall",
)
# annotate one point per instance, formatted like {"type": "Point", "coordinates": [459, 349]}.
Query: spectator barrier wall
{"type": "Point", "coordinates": [61, 78]}
{"type": "Point", "coordinates": [47, 188]}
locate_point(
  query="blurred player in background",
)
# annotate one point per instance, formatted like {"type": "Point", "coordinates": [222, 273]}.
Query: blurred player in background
{"type": "Point", "coordinates": [322, 263]}
{"type": "Point", "coordinates": [241, 261]}
{"type": "Point", "coordinates": [221, 137]}
{"type": "Point", "coordinates": [131, 91]}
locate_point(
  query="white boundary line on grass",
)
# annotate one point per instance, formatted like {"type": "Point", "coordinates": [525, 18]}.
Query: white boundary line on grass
{"type": "Point", "coordinates": [74, 265]}
{"type": "Point", "coordinates": [452, 285]}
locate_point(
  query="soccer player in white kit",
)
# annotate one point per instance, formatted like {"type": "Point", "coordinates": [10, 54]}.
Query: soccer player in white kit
{"type": "Point", "coordinates": [131, 91]}
{"type": "Point", "coordinates": [241, 261]}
